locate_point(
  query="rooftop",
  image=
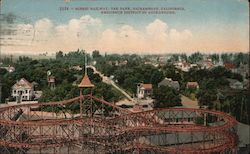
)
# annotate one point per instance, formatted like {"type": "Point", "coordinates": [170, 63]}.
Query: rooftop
{"type": "Point", "coordinates": [147, 86]}
{"type": "Point", "coordinates": [22, 83]}
{"type": "Point", "coordinates": [85, 83]}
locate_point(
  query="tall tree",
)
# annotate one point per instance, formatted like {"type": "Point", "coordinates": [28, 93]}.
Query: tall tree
{"type": "Point", "coordinates": [96, 54]}
{"type": "Point", "coordinates": [59, 55]}
{"type": "Point", "coordinates": [195, 57]}
{"type": "Point", "coordinates": [166, 97]}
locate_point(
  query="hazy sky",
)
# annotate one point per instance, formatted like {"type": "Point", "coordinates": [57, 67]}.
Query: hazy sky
{"type": "Point", "coordinates": [35, 26]}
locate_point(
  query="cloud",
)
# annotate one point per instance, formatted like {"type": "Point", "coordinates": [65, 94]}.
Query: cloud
{"type": "Point", "coordinates": [179, 36]}
{"type": "Point", "coordinates": [157, 33]}
{"type": "Point", "coordinates": [89, 33]}
{"type": "Point", "coordinates": [157, 27]}
{"type": "Point", "coordinates": [44, 29]}
{"type": "Point", "coordinates": [79, 32]}
{"type": "Point", "coordinates": [156, 36]}
{"type": "Point", "coordinates": [124, 38]}
{"type": "Point", "coordinates": [43, 24]}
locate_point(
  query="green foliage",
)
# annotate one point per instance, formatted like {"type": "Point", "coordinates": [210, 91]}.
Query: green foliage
{"type": "Point", "coordinates": [166, 97]}
{"type": "Point", "coordinates": [237, 104]}
{"type": "Point", "coordinates": [190, 93]}
{"type": "Point", "coordinates": [195, 75]}
{"type": "Point", "coordinates": [241, 58]}
{"type": "Point", "coordinates": [36, 70]}
{"type": "Point", "coordinates": [156, 77]}
{"type": "Point", "coordinates": [130, 74]}
{"type": "Point", "coordinates": [62, 92]}
{"type": "Point", "coordinates": [174, 57]}
{"type": "Point", "coordinates": [7, 61]}
{"type": "Point", "coordinates": [170, 71]}
{"type": "Point", "coordinates": [215, 58]}
{"type": "Point", "coordinates": [184, 57]}
{"type": "Point", "coordinates": [236, 58]}
{"type": "Point", "coordinates": [105, 91]}
{"type": "Point", "coordinates": [218, 76]}
{"type": "Point", "coordinates": [96, 54]}
{"type": "Point", "coordinates": [65, 90]}
{"type": "Point", "coordinates": [207, 93]}
{"type": "Point", "coordinates": [23, 59]}
{"type": "Point", "coordinates": [6, 88]}
{"type": "Point", "coordinates": [195, 57]}
{"type": "Point", "coordinates": [3, 71]}
{"type": "Point", "coordinates": [59, 55]}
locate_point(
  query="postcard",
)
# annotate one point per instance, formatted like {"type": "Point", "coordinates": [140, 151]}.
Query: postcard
{"type": "Point", "coordinates": [124, 76]}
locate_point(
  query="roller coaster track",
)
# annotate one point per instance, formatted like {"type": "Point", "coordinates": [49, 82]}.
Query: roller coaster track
{"type": "Point", "coordinates": [106, 128]}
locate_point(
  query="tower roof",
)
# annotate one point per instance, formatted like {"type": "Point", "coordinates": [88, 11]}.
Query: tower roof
{"type": "Point", "coordinates": [85, 83]}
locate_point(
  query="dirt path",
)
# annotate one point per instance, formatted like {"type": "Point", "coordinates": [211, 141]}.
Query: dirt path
{"type": "Point", "coordinates": [111, 82]}
{"type": "Point", "coordinates": [187, 102]}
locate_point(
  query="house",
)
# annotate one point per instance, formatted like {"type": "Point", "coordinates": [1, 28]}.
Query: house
{"type": "Point", "coordinates": [10, 69]}
{"type": "Point", "coordinates": [144, 90]}
{"type": "Point", "coordinates": [110, 63]}
{"type": "Point", "coordinates": [124, 62]}
{"type": "Point", "coordinates": [182, 65]}
{"type": "Point", "coordinates": [235, 84]}
{"type": "Point", "coordinates": [76, 68]}
{"type": "Point", "coordinates": [148, 63]}
{"type": "Point", "coordinates": [170, 83]}
{"type": "Point", "coordinates": [192, 85]}
{"type": "Point", "coordinates": [231, 66]}
{"type": "Point", "coordinates": [22, 90]}
{"type": "Point", "coordinates": [205, 64]}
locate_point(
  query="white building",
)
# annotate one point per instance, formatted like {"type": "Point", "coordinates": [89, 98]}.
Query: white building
{"type": "Point", "coordinates": [182, 65]}
{"type": "Point", "coordinates": [10, 69]}
{"type": "Point", "coordinates": [22, 90]}
{"type": "Point", "coordinates": [144, 90]}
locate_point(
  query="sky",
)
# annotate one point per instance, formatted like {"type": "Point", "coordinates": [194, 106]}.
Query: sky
{"type": "Point", "coordinates": [38, 26]}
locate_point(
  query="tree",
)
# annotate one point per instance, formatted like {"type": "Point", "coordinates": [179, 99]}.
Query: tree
{"type": "Point", "coordinates": [130, 83]}
{"type": "Point", "coordinates": [166, 97]}
{"type": "Point", "coordinates": [59, 55]}
{"type": "Point", "coordinates": [195, 57]}
{"type": "Point", "coordinates": [2, 72]}
{"type": "Point", "coordinates": [156, 77]}
{"type": "Point", "coordinates": [95, 78]}
{"type": "Point", "coordinates": [226, 57]}
{"type": "Point", "coordinates": [241, 58]}
{"type": "Point", "coordinates": [207, 93]}
{"type": "Point", "coordinates": [220, 71]}
{"type": "Point", "coordinates": [96, 54]}
{"type": "Point", "coordinates": [105, 91]}
{"type": "Point", "coordinates": [171, 72]}
{"type": "Point", "coordinates": [174, 57]}
{"type": "Point", "coordinates": [184, 57]}
{"type": "Point", "coordinates": [215, 58]}
{"type": "Point", "coordinates": [7, 61]}
{"type": "Point", "coordinates": [24, 59]}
